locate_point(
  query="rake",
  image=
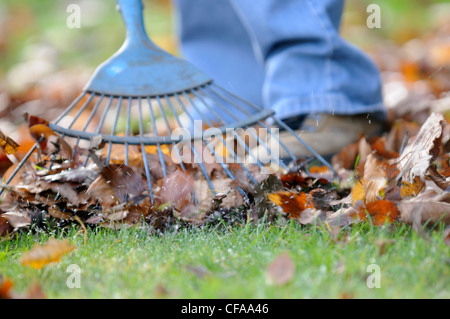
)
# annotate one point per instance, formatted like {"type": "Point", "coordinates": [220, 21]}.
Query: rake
{"type": "Point", "coordinates": [142, 93]}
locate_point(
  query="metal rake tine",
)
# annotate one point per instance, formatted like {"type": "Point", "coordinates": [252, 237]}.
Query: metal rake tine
{"type": "Point", "coordinates": [85, 105]}
{"type": "Point", "coordinates": [127, 130]}
{"type": "Point", "coordinates": [70, 107]}
{"type": "Point", "coordinates": [315, 154]}
{"type": "Point", "coordinates": [240, 141]}
{"type": "Point", "coordinates": [218, 103]}
{"type": "Point", "coordinates": [102, 122]}
{"type": "Point", "coordinates": [119, 106]}
{"type": "Point", "coordinates": [105, 113]}
{"type": "Point", "coordinates": [237, 97]}
{"type": "Point", "coordinates": [144, 154]}
{"type": "Point", "coordinates": [155, 131]}
{"type": "Point", "coordinates": [220, 161]}
{"type": "Point", "coordinates": [283, 125]}
{"type": "Point", "coordinates": [91, 116]}
{"type": "Point", "coordinates": [81, 110]}
{"type": "Point", "coordinates": [20, 165]}
{"type": "Point", "coordinates": [202, 167]}
{"type": "Point", "coordinates": [169, 129]}
{"type": "Point", "coordinates": [291, 155]}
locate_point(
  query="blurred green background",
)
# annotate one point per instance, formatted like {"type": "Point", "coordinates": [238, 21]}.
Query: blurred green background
{"type": "Point", "coordinates": [27, 24]}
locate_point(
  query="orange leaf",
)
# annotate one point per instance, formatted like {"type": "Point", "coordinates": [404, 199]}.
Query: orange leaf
{"type": "Point", "coordinates": [411, 190]}
{"type": "Point", "coordinates": [153, 149]}
{"type": "Point", "coordinates": [8, 145]}
{"type": "Point", "coordinates": [52, 251]}
{"type": "Point", "coordinates": [358, 192]}
{"type": "Point", "coordinates": [380, 212]}
{"type": "Point", "coordinates": [291, 203]}
{"type": "Point", "coordinates": [319, 169]}
{"type": "Point", "coordinates": [5, 288]}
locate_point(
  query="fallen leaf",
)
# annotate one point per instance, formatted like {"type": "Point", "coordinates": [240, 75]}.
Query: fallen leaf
{"type": "Point", "coordinates": [51, 142]}
{"type": "Point", "coordinates": [374, 179]}
{"type": "Point", "coordinates": [422, 149]}
{"type": "Point", "coordinates": [280, 271]}
{"type": "Point", "coordinates": [7, 144]}
{"type": "Point", "coordinates": [380, 212]}
{"type": "Point", "coordinates": [52, 251]}
{"type": "Point", "coordinates": [440, 180]}
{"type": "Point", "coordinates": [380, 148]}
{"type": "Point", "coordinates": [5, 227]}
{"type": "Point", "coordinates": [346, 158]}
{"type": "Point", "coordinates": [358, 192]}
{"type": "Point", "coordinates": [6, 292]}
{"type": "Point", "coordinates": [176, 188]}
{"type": "Point", "coordinates": [429, 206]}
{"type": "Point", "coordinates": [17, 219]}
{"type": "Point", "coordinates": [343, 217]}
{"type": "Point", "coordinates": [411, 190]}
{"type": "Point", "coordinates": [291, 203]}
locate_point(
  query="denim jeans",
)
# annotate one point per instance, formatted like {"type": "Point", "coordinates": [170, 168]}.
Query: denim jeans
{"type": "Point", "coordinates": [281, 54]}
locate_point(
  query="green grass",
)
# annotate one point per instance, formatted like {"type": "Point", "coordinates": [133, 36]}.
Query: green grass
{"type": "Point", "coordinates": [134, 263]}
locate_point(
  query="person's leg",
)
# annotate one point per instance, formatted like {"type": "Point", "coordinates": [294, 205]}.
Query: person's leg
{"type": "Point", "coordinates": [214, 39]}
{"type": "Point", "coordinates": [309, 68]}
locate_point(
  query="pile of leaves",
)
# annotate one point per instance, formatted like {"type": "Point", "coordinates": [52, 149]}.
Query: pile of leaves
{"type": "Point", "coordinates": [381, 180]}
{"type": "Point", "coordinates": [402, 175]}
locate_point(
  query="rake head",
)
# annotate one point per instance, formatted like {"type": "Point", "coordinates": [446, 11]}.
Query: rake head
{"type": "Point", "coordinates": [144, 100]}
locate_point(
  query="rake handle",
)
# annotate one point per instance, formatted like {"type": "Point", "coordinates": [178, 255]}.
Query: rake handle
{"type": "Point", "coordinates": [132, 15]}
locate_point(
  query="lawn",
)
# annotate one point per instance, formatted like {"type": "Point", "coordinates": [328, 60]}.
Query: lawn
{"type": "Point", "coordinates": [221, 262]}
{"type": "Point", "coordinates": [216, 261]}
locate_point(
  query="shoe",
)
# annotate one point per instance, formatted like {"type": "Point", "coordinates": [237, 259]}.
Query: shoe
{"type": "Point", "coordinates": [327, 134]}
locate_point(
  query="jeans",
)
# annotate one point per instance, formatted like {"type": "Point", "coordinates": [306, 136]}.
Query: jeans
{"type": "Point", "coordinates": [281, 54]}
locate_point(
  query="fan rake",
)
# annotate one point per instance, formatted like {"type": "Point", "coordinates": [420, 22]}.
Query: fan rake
{"type": "Point", "coordinates": [142, 96]}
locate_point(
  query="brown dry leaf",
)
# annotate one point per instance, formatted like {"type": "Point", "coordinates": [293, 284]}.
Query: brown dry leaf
{"type": "Point", "coordinates": [291, 203]}
{"type": "Point", "coordinates": [100, 191]}
{"type": "Point", "coordinates": [400, 129]}
{"type": "Point", "coordinates": [380, 212]}
{"type": "Point", "coordinates": [429, 206]}
{"type": "Point", "coordinates": [50, 139]}
{"type": "Point", "coordinates": [156, 168]}
{"type": "Point", "coordinates": [34, 120]}
{"type": "Point", "coordinates": [280, 271]}
{"type": "Point", "coordinates": [5, 227]}
{"type": "Point", "coordinates": [346, 157]}
{"type": "Point", "coordinates": [380, 147]}
{"type": "Point", "coordinates": [440, 180]}
{"type": "Point", "coordinates": [17, 219]}
{"type": "Point", "coordinates": [55, 212]}
{"type": "Point", "coordinates": [343, 217]}
{"type": "Point", "coordinates": [118, 154]}
{"type": "Point", "coordinates": [52, 251]}
{"type": "Point", "coordinates": [374, 179]}
{"type": "Point", "coordinates": [7, 144]}
{"type": "Point", "coordinates": [176, 188]}
{"type": "Point", "coordinates": [116, 184]}
{"type": "Point", "coordinates": [124, 181]}
{"type": "Point", "coordinates": [422, 149]}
